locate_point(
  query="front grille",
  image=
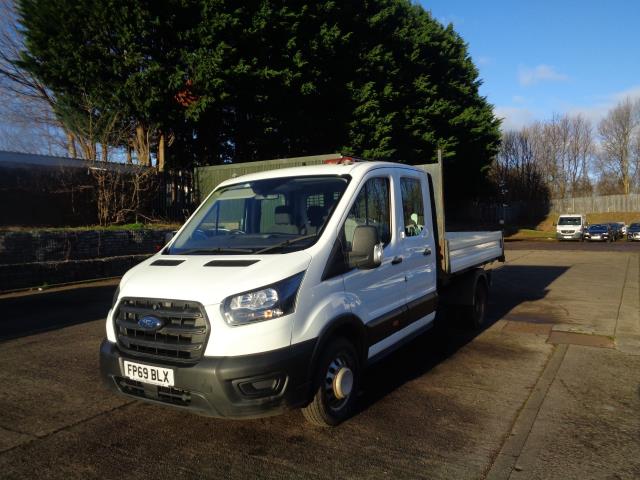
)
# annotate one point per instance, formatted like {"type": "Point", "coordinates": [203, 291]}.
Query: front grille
{"type": "Point", "coordinates": [567, 231]}
{"type": "Point", "coordinates": [174, 396]}
{"type": "Point", "coordinates": [181, 338]}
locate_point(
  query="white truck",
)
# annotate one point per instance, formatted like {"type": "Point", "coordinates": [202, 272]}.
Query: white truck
{"type": "Point", "coordinates": [285, 285]}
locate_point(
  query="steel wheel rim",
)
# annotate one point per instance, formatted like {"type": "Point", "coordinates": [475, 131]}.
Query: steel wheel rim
{"type": "Point", "coordinates": [340, 362]}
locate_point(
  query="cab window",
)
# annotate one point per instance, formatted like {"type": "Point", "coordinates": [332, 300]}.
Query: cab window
{"type": "Point", "coordinates": [412, 206]}
{"type": "Point", "coordinates": [372, 208]}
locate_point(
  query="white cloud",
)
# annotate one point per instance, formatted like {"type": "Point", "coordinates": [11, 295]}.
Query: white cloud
{"type": "Point", "coordinates": [517, 115]}
{"type": "Point", "coordinates": [633, 93]}
{"type": "Point", "coordinates": [514, 118]}
{"type": "Point", "coordinates": [599, 109]}
{"type": "Point", "coordinates": [541, 73]}
{"type": "Point", "coordinates": [482, 60]}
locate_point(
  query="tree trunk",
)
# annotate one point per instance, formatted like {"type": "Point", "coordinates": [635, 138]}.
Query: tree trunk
{"type": "Point", "coordinates": [142, 146]}
{"type": "Point", "coordinates": [161, 150]}
{"type": "Point", "coordinates": [105, 152]}
{"type": "Point", "coordinates": [129, 157]}
{"type": "Point", "coordinates": [71, 145]}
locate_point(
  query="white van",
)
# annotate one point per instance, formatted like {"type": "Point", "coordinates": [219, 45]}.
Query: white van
{"type": "Point", "coordinates": [571, 226]}
{"type": "Point", "coordinates": [284, 285]}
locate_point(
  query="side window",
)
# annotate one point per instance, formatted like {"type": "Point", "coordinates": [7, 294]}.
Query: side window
{"type": "Point", "coordinates": [412, 206]}
{"type": "Point", "coordinates": [372, 207]}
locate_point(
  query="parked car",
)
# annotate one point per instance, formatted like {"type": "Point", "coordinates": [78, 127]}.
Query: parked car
{"type": "Point", "coordinates": [633, 232]}
{"type": "Point", "coordinates": [616, 231]}
{"type": "Point", "coordinates": [322, 271]}
{"type": "Point", "coordinates": [571, 227]}
{"type": "Point", "coordinates": [600, 232]}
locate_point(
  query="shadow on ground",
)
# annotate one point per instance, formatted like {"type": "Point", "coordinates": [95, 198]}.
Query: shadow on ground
{"type": "Point", "coordinates": [29, 314]}
{"type": "Point", "coordinates": [512, 285]}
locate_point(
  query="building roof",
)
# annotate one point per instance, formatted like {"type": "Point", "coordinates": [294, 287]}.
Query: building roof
{"type": "Point", "coordinates": [18, 159]}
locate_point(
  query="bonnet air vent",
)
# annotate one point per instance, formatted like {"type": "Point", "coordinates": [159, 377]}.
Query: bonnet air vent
{"type": "Point", "coordinates": [230, 263]}
{"type": "Point", "coordinates": [167, 263]}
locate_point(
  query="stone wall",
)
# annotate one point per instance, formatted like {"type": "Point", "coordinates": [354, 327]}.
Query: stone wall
{"type": "Point", "coordinates": [32, 259]}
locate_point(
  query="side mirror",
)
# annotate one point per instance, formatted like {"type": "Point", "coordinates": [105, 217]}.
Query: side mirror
{"type": "Point", "coordinates": [168, 236]}
{"type": "Point", "coordinates": [366, 249]}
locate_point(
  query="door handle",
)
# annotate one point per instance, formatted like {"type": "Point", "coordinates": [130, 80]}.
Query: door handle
{"type": "Point", "coordinates": [427, 251]}
{"type": "Point", "coordinates": [396, 260]}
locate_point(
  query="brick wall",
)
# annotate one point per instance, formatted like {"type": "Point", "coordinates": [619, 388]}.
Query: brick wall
{"type": "Point", "coordinates": [31, 259]}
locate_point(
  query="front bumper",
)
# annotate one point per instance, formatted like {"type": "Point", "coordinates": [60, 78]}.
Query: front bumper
{"type": "Point", "coordinates": [599, 238]}
{"type": "Point", "coordinates": [633, 236]}
{"type": "Point", "coordinates": [221, 386]}
{"type": "Point", "coordinates": [569, 236]}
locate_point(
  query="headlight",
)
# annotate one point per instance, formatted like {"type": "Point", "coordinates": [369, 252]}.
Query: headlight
{"type": "Point", "coordinates": [266, 303]}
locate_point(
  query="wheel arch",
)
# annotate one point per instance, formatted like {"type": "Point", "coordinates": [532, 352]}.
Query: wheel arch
{"type": "Point", "coordinates": [461, 291]}
{"type": "Point", "coordinates": [348, 326]}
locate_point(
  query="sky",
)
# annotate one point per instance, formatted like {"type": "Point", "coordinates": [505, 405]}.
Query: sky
{"type": "Point", "coordinates": [540, 58]}
{"type": "Point", "coordinates": [536, 58]}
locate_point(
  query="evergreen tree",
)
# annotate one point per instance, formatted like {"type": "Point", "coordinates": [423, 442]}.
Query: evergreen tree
{"type": "Point", "coordinates": [243, 81]}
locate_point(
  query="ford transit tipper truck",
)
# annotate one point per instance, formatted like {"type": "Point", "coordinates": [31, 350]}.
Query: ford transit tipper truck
{"type": "Point", "coordinates": [285, 285]}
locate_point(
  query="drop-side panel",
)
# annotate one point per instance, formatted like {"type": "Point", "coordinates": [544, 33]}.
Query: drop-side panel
{"type": "Point", "coordinates": [471, 249]}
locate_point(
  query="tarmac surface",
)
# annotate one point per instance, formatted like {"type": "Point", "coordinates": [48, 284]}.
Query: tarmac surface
{"type": "Point", "coordinates": [550, 389]}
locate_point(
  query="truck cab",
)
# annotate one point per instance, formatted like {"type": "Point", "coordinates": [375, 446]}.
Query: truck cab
{"type": "Point", "coordinates": [285, 285]}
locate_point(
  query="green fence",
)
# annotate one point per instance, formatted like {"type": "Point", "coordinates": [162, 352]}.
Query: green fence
{"type": "Point", "coordinates": [208, 178]}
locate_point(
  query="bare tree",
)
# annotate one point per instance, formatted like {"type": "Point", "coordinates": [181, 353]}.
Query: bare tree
{"type": "Point", "coordinates": [518, 172]}
{"type": "Point", "coordinates": [579, 151]}
{"type": "Point", "coordinates": [27, 106]}
{"type": "Point", "coordinates": [619, 139]}
{"type": "Point", "coordinates": [122, 192]}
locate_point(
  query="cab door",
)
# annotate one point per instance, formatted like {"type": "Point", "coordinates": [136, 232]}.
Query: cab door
{"type": "Point", "coordinates": [378, 294]}
{"type": "Point", "coordinates": [417, 243]}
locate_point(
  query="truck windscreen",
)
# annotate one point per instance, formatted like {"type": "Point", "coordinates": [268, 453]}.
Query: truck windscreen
{"type": "Point", "coordinates": [569, 221]}
{"type": "Point", "coordinates": [277, 215]}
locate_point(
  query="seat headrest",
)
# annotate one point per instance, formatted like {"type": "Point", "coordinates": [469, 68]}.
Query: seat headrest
{"type": "Point", "coordinates": [315, 213]}
{"type": "Point", "coordinates": [283, 215]}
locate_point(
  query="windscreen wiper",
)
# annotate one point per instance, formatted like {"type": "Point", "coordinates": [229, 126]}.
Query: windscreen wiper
{"type": "Point", "coordinates": [204, 251]}
{"type": "Point", "coordinates": [286, 243]}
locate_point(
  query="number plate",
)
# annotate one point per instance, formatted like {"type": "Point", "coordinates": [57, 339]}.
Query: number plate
{"type": "Point", "coordinates": [568, 236]}
{"type": "Point", "coordinates": [149, 374]}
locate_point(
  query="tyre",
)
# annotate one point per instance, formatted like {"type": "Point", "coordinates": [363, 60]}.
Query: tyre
{"type": "Point", "coordinates": [336, 385]}
{"type": "Point", "coordinates": [475, 314]}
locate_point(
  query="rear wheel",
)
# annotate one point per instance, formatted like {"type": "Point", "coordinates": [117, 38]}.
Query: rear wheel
{"type": "Point", "coordinates": [337, 381]}
{"type": "Point", "coordinates": [475, 314]}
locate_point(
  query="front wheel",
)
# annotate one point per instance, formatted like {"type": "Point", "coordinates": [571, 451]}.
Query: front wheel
{"type": "Point", "coordinates": [337, 381]}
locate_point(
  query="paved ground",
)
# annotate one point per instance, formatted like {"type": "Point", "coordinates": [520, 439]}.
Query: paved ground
{"type": "Point", "coordinates": [549, 390]}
